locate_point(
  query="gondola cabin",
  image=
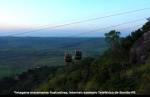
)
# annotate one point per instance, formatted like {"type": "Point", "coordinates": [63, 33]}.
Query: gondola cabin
{"type": "Point", "coordinates": [68, 58]}
{"type": "Point", "coordinates": [78, 55]}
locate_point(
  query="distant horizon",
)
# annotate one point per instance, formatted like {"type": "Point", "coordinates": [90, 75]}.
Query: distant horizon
{"type": "Point", "coordinates": [44, 37]}
{"type": "Point", "coordinates": [65, 33]}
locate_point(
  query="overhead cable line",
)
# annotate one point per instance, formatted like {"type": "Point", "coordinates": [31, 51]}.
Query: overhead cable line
{"type": "Point", "coordinates": [99, 29]}
{"type": "Point", "coordinates": [133, 21]}
{"type": "Point", "coordinates": [79, 22]}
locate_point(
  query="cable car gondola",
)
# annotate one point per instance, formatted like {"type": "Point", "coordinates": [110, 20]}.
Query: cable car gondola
{"type": "Point", "coordinates": [68, 58]}
{"type": "Point", "coordinates": [78, 55]}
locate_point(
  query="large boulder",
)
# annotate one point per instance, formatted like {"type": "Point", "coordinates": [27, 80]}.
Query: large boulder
{"type": "Point", "coordinates": [140, 50]}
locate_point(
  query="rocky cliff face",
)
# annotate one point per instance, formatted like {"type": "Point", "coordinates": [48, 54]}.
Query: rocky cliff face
{"type": "Point", "coordinates": [140, 50]}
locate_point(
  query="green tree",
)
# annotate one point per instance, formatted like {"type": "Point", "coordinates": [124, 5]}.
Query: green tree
{"type": "Point", "coordinates": [127, 42]}
{"type": "Point", "coordinates": [113, 39]}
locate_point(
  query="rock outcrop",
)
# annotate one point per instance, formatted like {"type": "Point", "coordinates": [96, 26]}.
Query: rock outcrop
{"type": "Point", "coordinates": [140, 50]}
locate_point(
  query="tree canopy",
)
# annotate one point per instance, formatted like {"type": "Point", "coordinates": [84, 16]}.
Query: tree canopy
{"type": "Point", "coordinates": [113, 38]}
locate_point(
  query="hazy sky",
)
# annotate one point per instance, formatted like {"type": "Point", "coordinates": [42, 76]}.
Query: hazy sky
{"type": "Point", "coordinates": [20, 15]}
